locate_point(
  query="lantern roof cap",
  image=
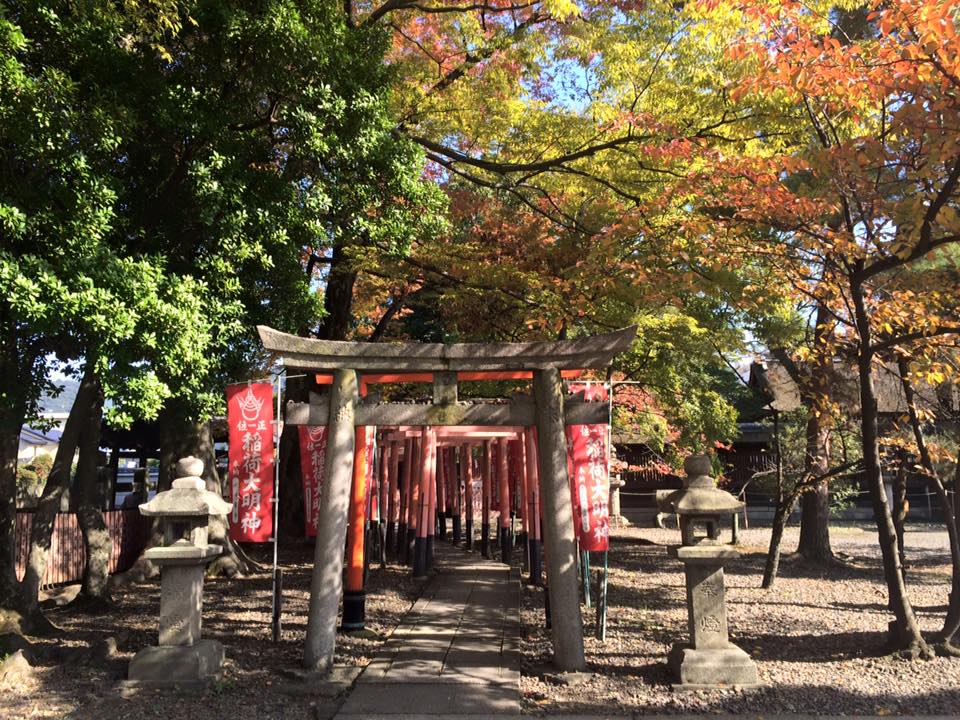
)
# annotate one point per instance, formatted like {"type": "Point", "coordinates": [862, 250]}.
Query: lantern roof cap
{"type": "Point", "coordinates": [700, 494]}
{"type": "Point", "coordinates": [188, 497]}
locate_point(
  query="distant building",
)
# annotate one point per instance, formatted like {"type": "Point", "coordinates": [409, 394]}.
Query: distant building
{"type": "Point", "coordinates": [54, 411]}
{"type": "Point", "coordinates": [36, 442]}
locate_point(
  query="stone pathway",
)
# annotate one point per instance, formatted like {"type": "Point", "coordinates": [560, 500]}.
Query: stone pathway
{"type": "Point", "coordinates": [455, 653]}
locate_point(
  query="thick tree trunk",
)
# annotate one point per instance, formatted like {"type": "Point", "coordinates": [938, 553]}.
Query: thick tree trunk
{"type": "Point", "coordinates": [814, 385]}
{"type": "Point", "coordinates": [96, 538]}
{"type": "Point", "coordinates": [11, 419]}
{"type": "Point", "coordinates": [16, 364]}
{"type": "Point", "coordinates": [291, 509]}
{"type": "Point", "coordinates": [338, 297]}
{"type": "Point", "coordinates": [41, 529]}
{"type": "Point", "coordinates": [904, 632]}
{"type": "Point", "coordinates": [814, 543]}
{"type": "Point", "coordinates": [232, 560]}
{"type": "Point", "coordinates": [951, 623]}
{"type": "Point", "coordinates": [951, 626]}
{"type": "Point", "coordinates": [180, 438]}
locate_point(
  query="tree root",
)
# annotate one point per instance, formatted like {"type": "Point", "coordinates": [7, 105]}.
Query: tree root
{"type": "Point", "coordinates": [906, 645]}
{"type": "Point", "coordinates": [31, 623]}
{"type": "Point", "coordinates": [948, 649]}
{"type": "Point", "coordinates": [141, 570]}
{"type": "Point", "coordinates": [91, 605]}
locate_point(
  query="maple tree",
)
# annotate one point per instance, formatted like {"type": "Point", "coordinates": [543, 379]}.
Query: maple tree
{"type": "Point", "coordinates": [874, 190]}
{"type": "Point", "coordinates": [553, 128]}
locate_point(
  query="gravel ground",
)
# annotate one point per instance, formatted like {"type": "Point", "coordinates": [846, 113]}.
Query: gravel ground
{"type": "Point", "coordinates": [817, 638]}
{"type": "Point", "coordinates": [82, 683]}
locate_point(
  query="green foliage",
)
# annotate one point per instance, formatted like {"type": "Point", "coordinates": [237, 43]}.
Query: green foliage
{"type": "Point", "coordinates": [166, 172]}
{"type": "Point", "coordinates": [676, 359]}
{"type": "Point", "coordinates": [32, 476]}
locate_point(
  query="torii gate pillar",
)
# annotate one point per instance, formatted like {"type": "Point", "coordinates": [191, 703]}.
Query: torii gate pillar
{"type": "Point", "coordinates": [327, 579]}
{"type": "Point", "coordinates": [560, 545]}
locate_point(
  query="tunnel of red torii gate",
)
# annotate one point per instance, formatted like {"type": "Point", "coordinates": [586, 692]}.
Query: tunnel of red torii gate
{"type": "Point", "coordinates": [439, 437]}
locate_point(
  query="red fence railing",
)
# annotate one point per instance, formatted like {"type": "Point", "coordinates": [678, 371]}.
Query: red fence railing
{"type": "Point", "coordinates": [129, 532]}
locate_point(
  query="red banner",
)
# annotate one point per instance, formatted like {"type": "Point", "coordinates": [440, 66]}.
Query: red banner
{"type": "Point", "coordinates": [587, 460]}
{"type": "Point", "coordinates": [250, 469]}
{"type": "Point", "coordinates": [313, 461]}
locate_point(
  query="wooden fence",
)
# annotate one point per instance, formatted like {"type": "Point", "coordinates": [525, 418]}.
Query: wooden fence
{"type": "Point", "coordinates": [129, 531]}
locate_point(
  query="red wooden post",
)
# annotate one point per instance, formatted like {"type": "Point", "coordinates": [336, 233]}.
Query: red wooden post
{"type": "Point", "coordinates": [466, 472]}
{"type": "Point", "coordinates": [393, 497]}
{"type": "Point", "coordinates": [382, 499]}
{"type": "Point", "coordinates": [354, 598]}
{"type": "Point", "coordinates": [522, 501]}
{"type": "Point", "coordinates": [486, 470]}
{"type": "Point", "coordinates": [453, 492]}
{"type": "Point", "coordinates": [414, 484]}
{"type": "Point", "coordinates": [424, 518]}
{"type": "Point", "coordinates": [440, 505]}
{"type": "Point", "coordinates": [432, 487]}
{"type": "Point", "coordinates": [533, 482]}
{"type": "Point", "coordinates": [503, 478]}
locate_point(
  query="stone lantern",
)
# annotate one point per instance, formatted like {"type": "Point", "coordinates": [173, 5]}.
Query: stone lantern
{"type": "Point", "coordinates": [184, 512]}
{"type": "Point", "coordinates": [709, 659]}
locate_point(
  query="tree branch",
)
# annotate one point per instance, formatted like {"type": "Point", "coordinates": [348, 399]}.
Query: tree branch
{"type": "Point", "coordinates": [502, 168]}
{"type": "Point", "coordinates": [887, 344]}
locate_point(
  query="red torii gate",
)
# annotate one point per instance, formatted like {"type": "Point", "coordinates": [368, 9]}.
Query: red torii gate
{"type": "Point", "coordinates": [461, 440]}
{"type": "Point", "coordinates": [348, 419]}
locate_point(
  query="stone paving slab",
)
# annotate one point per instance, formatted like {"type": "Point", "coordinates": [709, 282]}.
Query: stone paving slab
{"type": "Point", "coordinates": [431, 699]}
{"type": "Point", "coordinates": [641, 716]}
{"type": "Point", "coordinates": [453, 653]}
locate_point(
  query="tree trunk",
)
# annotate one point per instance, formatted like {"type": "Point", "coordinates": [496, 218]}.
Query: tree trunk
{"type": "Point", "coordinates": [11, 420]}
{"type": "Point", "coordinates": [951, 624]}
{"type": "Point", "coordinates": [96, 538]}
{"type": "Point", "coordinates": [16, 365]}
{"type": "Point", "coordinates": [814, 385]}
{"type": "Point", "coordinates": [900, 506]}
{"type": "Point", "coordinates": [814, 543]}
{"type": "Point", "coordinates": [291, 509]}
{"type": "Point", "coordinates": [904, 632]}
{"type": "Point", "coordinates": [231, 561]}
{"type": "Point", "coordinates": [180, 438]}
{"type": "Point", "coordinates": [781, 515]}
{"type": "Point", "coordinates": [41, 529]}
{"type": "Point", "coordinates": [338, 297]}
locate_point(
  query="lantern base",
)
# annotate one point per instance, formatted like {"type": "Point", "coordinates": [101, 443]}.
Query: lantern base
{"type": "Point", "coordinates": [711, 668]}
{"type": "Point", "coordinates": [176, 664]}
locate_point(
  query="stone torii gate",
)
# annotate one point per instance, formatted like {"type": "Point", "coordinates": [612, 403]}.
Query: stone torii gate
{"type": "Point", "coordinates": [445, 365]}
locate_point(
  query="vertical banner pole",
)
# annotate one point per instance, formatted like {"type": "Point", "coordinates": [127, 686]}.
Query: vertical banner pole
{"type": "Point", "coordinates": [586, 578]}
{"type": "Point", "coordinates": [277, 579]}
{"type": "Point", "coordinates": [602, 600]}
